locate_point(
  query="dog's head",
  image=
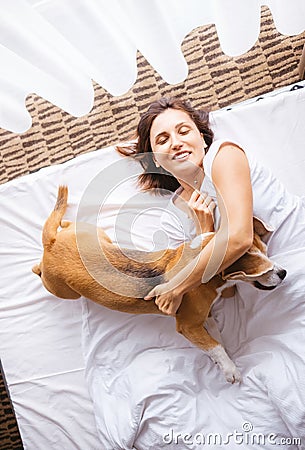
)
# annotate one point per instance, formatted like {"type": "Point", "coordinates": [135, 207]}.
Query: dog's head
{"type": "Point", "coordinates": [254, 266]}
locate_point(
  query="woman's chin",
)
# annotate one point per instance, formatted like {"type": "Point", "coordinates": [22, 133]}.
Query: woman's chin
{"type": "Point", "coordinates": [184, 169]}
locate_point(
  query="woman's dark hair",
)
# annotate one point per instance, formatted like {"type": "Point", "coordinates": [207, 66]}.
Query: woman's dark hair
{"type": "Point", "coordinates": [155, 178]}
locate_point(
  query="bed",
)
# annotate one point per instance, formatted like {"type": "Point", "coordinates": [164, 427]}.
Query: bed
{"type": "Point", "coordinates": [84, 377]}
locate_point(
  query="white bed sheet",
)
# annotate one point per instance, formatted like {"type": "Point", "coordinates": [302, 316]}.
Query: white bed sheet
{"type": "Point", "coordinates": [41, 336]}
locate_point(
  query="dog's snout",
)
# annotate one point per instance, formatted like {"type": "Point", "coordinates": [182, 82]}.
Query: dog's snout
{"type": "Point", "coordinates": [282, 274]}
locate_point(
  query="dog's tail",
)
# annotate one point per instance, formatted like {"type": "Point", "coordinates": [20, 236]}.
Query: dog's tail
{"type": "Point", "coordinates": [54, 219]}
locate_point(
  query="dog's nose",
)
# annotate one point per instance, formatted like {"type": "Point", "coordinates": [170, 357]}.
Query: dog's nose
{"type": "Point", "coordinates": [282, 273]}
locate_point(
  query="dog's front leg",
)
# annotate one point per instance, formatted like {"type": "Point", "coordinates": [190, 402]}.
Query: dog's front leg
{"type": "Point", "coordinates": [220, 357]}
{"type": "Point", "coordinates": [190, 319]}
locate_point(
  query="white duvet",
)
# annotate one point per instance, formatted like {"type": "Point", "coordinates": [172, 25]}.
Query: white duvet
{"type": "Point", "coordinates": [136, 383]}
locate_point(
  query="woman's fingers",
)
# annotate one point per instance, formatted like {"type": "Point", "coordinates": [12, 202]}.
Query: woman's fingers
{"type": "Point", "coordinates": [207, 205]}
{"type": "Point", "coordinates": [201, 207]}
{"type": "Point", "coordinates": [151, 295]}
{"type": "Point", "coordinates": [168, 305]}
{"type": "Point", "coordinates": [200, 201]}
{"type": "Point", "coordinates": [167, 301]}
{"type": "Point", "coordinates": [195, 199]}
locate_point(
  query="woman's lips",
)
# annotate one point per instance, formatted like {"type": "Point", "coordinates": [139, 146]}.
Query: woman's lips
{"type": "Point", "coordinates": [180, 156]}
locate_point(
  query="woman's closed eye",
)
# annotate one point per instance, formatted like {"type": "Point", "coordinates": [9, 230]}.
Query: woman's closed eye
{"type": "Point", "coordinates": [162, 140]}
{"type": "Point", "coordinates": [184, 131]}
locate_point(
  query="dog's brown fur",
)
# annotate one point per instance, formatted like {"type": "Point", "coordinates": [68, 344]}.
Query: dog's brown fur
{"type": "Point", "coordinates": [80, 260]}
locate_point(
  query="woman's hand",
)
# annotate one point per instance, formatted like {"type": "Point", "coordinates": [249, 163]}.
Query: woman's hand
{"type": "Point", "coordinates": [202, 208]}
{"type": "Point", "coordinates": [168, 300]}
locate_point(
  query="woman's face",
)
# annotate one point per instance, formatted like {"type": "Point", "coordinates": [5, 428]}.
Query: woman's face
{"type": "Point", "coordinates": [177, 144]}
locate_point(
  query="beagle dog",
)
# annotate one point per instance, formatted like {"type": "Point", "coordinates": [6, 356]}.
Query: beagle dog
{"type": "Point", "coordinates": [81, 260]}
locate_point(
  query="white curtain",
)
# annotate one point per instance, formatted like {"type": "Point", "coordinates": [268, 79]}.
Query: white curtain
{"type": "Point", "coordinates": [55, 48]}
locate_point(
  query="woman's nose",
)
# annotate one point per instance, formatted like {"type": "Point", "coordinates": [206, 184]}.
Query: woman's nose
{"type": "Point", "coordinates": [176, 141]}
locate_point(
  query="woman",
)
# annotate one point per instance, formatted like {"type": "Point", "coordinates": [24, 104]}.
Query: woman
{"type": "Point", "coordinates": [176, 147]}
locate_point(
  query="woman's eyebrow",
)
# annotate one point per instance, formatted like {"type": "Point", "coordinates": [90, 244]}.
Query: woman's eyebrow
{"type": "Point", "coordinates": [180, 124]}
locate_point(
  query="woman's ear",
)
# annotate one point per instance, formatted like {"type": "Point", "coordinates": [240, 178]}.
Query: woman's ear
{"type": "Point", "coordinates": [204, 143]}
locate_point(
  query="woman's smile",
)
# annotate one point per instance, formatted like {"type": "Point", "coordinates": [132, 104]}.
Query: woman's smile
{"type": "Point", "coordinates": [181, 155]}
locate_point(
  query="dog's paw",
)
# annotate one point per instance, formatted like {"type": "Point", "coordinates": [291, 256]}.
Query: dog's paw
{"type": "Point", "coordinates": [232, 374]}
{"type": "Point", "coordinates": [227, 366]}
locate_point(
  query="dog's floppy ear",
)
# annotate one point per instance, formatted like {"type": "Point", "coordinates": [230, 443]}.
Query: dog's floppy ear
{"type": "Point", "coordinates": [250, 266]}
{"type": "Point", "coordinates": [262, 229]}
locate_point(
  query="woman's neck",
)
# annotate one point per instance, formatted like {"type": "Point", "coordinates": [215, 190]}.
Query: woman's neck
{"type": "Point", "coordinates": [193, 182]}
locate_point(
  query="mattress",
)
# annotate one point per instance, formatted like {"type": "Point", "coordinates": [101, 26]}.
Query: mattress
{"type": "Point", "coordinates": [84, 377]}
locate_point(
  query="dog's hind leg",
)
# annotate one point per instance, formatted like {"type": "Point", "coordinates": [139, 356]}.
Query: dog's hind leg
{"type": "Point", "coordinates": [59, 288]}
{"type": "Point", "coordinates": [198, 335]}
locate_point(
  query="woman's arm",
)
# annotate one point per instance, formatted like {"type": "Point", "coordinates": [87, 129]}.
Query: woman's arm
{"type": "Point", "coordinates": [231, 177]}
